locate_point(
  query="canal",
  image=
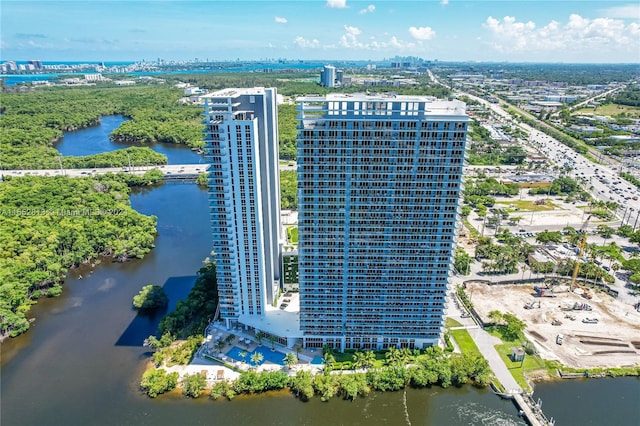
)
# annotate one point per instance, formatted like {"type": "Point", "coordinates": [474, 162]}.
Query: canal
{"type": "Point", "coordinates": [81, 362]}
{"type": "Point", "coordinates": [95, 140]}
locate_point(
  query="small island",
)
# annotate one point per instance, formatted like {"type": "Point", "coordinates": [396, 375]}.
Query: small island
{"type": "Point", "coordinates": [150, 297]}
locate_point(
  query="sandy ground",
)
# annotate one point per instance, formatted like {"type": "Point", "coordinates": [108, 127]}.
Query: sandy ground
{"type": "Point", "coordinates": [613, 342]}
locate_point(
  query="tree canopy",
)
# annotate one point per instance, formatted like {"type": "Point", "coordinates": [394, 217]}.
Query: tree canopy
{"type": "Point", "coordinates": [150, 297]}
{"type": "Point", "coordinates": [50, 224]}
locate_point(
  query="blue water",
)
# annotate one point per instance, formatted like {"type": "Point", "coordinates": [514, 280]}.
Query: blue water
{"type": "Point", "coordinates": [273, 357]}
{"type": "Point", "coordinates": [317, 360]}
{"type": "Point", "coordinates": [95, 140]}
{"type": "Point", "coordinates": [11, 79]}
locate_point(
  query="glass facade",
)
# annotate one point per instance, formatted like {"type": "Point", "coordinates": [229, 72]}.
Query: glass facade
{"type": "Point", "coordinates": [241, 142]}
{"type": "Point", "coordinates": [379, 178]}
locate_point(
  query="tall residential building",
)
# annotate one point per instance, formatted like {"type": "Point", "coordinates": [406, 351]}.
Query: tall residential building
{"type": "Point", "coordinates": [242, 140]}
{"type": "Point", "coordinates": [328, 76]}
{"type": "Point", "coordinates": [379, 178]}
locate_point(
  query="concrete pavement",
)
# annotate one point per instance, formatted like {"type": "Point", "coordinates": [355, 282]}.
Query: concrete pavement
{"type": "Point", "coordinates": [486, 343]}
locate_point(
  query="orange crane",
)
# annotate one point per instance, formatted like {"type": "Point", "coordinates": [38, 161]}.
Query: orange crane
{"type": "Point", "coordinates": [583, 244]}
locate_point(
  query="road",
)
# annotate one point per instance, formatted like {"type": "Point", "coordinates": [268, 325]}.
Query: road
{"type": "Point", "coordinates": [606, 183]}
{"type": "Point", "coordinates": [177, 169]}
{"type": "Point", "coordinates": [168, 169]}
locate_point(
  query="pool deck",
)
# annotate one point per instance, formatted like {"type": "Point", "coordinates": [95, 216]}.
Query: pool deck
{"type": "Point", "coordinates": [217, 332]}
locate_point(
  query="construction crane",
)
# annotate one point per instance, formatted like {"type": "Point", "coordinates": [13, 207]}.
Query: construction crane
{"type": "Point", "coordinates": [583, 244]}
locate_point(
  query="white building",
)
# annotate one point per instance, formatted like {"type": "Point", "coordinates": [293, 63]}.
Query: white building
{"type": "Point", "coordinates": [242, 142]}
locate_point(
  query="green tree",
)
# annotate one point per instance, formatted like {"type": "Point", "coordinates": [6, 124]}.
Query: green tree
{"type": "Point", "coordinates": [329, 363]}
{"type": "Point", "coordinates": [202, 180]}
{"type": "Point", "coordinates": [302, 385]}
{"type": "Point", "coordinates": [157, 381]}
{"type": "Point", "coordinates": [193, 384]}
{"type": "Point", "coordinates": [549, 237]}
{"type": "Point", "coordinates": [288, 189]}
{"type": "Point", "coordinates": [290, 359]}
{"type": "Point", "coordinates": [513, 328]}
{"type": "Point", "coordinates": [150, 297]}
{"type": "Point", "coordinates": [272, 339]}
{"type": "Point", "coordinates": [462, 261]}
{"type": "Point", "coordinates": [256, 358]}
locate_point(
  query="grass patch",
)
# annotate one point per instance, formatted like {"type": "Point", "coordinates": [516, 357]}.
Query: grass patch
{"type": "Point", "coordinates": [611, 110]}
{"type": "Point", "coordinates": [525, 205]}
{"type": "Point", "coordinates": [473, 231]}
{"type": "Point", "coordinates": [614, 252]}
{"type": "Point", "coordinates": [450, 322]}
{"type": "Point", "coordinates": [552, 366]}
{"type": "Point", "coordinates": [464, 341]}
{"type": "Point", "coordinates": [518, 369]}
{"type": "Point", "coordinates": [292, 234]}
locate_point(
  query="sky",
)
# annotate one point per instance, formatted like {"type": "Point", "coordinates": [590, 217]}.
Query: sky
{"type": "Point", "coordinates": [446, 30]}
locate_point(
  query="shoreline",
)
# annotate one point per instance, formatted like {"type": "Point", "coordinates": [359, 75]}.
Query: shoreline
{"type": "Point", "coordinates": [540, 377]}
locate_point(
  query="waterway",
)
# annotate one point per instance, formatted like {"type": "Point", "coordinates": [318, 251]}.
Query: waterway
{"type": "Point", "coordinates": [81, 362]}
{"type": "Point", "coordinates": [95, 140]}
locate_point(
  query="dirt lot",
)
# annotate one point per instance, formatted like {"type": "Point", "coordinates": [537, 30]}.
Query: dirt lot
{"type": "Point", "coordinates": [613, 342]}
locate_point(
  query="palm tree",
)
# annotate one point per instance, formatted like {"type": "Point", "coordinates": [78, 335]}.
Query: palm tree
{"type": "Point", "coordinates": [259, 337]}
{"type": "Point", "coordinates": [256, 358]}
{"type": "Point", "coordinates": [405, 355]}
{"type": "Point", "coordinates": [243, 355]}
{"type": "Point", "coordinates": [392, 355]}
{"type": "Point", "coordinates": [219, 345]}
{"type": "Point", "coordinates": [358, 360]}
{"type": "Point", "coordinates": [369, 359]}
{"type": "Point", "coordinates": [329, 362]}
{"type": "Point", "coordinates": [272, 339]}
{"type": "Point", "coordinates": [290, 359]}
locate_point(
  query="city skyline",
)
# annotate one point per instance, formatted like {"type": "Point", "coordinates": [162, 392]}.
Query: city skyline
{"type": "Point", "coordinates": [446, 30]}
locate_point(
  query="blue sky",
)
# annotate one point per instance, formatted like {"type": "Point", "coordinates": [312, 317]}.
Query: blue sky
{"type": "Point", "coordinates": [447, 30]}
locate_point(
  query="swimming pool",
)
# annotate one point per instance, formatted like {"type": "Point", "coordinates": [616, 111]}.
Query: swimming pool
{"type": "Point", "coordinates": [268, 355]}
{"type": "Point", "coordinates": [317, 360]}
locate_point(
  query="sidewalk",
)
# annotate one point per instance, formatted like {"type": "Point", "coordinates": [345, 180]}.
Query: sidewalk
{"type": "Point", "coordinates": [485, 343]}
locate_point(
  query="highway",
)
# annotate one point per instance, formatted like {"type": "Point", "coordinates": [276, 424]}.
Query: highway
{"type": "Point", "coordinates": [607, 184]}
{"type": "Point", "coordinates": [176, 169]}
{"type": "Point", "coordinates": [167, 169]}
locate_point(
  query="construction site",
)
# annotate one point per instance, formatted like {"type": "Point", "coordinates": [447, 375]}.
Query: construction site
{"type": "Point", "coordinates": [579, 328]}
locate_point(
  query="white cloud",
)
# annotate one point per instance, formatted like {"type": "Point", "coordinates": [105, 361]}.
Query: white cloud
{"type": "Point", "coordinates": [444, 2]}
{"type": "Point", "coordinates": [580, 37]}
{"type": "Point", "coordinates": [352, 30]}
{"type": "Point", "coordinates": [337, 4]}
{"type": "Point", "coordinates": [629, 11]}
{"type": "Point", "coordinates": [350, 40]}
{"type": "Point", "coordinates": [280, 20]}
{"type": "Point", "coordinates": [422, 33]}
{"type": "Point", "coordinates": [369, 9]}
{"type": "Point", "coordinates": [302, 42]}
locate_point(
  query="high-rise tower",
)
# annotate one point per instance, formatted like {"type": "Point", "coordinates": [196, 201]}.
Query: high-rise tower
{"type": "Point", "coordinates": [242, 140]}
{"type": "Point", "coordinates": [379, 179]}
{"type": "Point", "coordinates": [328, 76]}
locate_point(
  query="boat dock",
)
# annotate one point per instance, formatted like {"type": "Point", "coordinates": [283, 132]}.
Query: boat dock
{"type": "Point", "coordinates": [531, 411]}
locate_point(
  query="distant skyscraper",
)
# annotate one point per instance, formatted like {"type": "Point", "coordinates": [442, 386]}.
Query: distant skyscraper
{"type": "Point", "coordinates": [242, 139]}
{"type": "Point", "coordinates": [379, 179]}
{"type": "Point", "coordinates": [328, 76]}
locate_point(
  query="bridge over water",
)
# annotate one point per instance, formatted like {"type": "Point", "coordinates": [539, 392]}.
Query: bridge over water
{"type": "Point", "coordinates": [171, 171]}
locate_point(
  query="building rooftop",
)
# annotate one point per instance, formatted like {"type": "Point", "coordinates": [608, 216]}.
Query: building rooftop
{"type": "Point", "coordinates": [235, 91]}
{"type": "Point", "coordinates": [433, 105]}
